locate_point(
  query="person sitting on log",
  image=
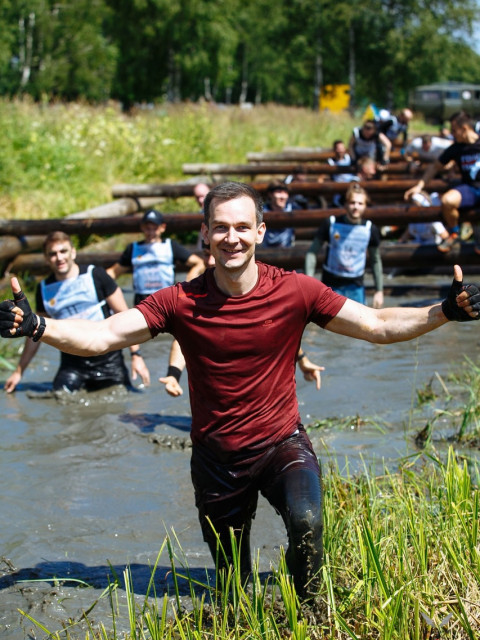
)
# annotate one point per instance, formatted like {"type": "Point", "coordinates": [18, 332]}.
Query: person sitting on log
{"type": "Point", "coordinates": [200, 190]}
{"type": "Point", "coordinates": [395, 126]}
{"type": "Point", "coordinates": [153, 259]}
{"type": "Point", "coordinates": [425, 148]}
{"type": "Point", "coordinates": [278, 201]}
{"type": "Point", "coordinates": [77, 291]}
{"type": "Point", "coordinates": [349, 238]}
{"type": "Point", "coordinates": [465, 153]}
{"type": "Point", "coordinates": [341, 158]}
{"type": "Point", "coordinates": [425, 232]}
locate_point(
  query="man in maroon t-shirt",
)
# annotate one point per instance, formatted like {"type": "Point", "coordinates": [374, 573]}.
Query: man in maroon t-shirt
{"type": "Point", "coordinates": [239, 326]}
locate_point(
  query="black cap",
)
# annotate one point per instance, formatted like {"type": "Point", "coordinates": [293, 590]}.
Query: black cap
{"type": "Point", "coordinates": [154, 216]}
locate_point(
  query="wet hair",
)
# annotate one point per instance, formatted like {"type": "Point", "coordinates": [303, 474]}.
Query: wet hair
{"type": "Point", "coordinates": [56, 236]}
{"type": "Point", "coordinates": [356, 190]}
{"type": "Point", "coordinates": [461, 118]}
{"type": "Point", "coordinates": [231, 191]}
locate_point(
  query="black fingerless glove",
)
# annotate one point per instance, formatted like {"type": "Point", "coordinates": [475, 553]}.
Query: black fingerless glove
{"type": "Point", "coordinates": [6, 318]}
{"type": "Point", "coordinates": [30, 326]}
{"type": "Point", "coordinates": [450, 307]}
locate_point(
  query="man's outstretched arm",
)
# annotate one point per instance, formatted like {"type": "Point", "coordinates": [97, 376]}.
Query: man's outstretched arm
{"type": "Point", "coordinates": [398, 324]}
{"type": "Point", "coordinates": [78, 337]}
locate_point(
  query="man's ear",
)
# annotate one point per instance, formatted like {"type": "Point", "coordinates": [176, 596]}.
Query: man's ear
{"type": "Point", "coordinates": [204, 233]}
{"type": "Point", "coordinates": [74, 252]}
{"type": "Point", "coordinates": [262, 227]}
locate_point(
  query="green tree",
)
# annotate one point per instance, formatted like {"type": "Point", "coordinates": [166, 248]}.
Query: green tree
{"type": "Point", "coordinates": [396, 38]}
{"type": "Point", "coordinates": [58, 49]}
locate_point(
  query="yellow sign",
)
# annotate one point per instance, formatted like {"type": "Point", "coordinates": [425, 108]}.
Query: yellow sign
{"type": "Point", "coordinates": [335, 97]}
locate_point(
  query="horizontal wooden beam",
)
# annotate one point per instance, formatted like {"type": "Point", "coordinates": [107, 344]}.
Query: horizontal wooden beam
{"type": "Point", "coordinates": [393, 255]}
{"type": "Point", "coordinates": [121, 207]}
{"type": "Point", "coordinates": [177, 190]}
{"type": "Point", "coordinates": [303, 155]}
{"type": "Point", "coordinates": [389, 189]}
{"type": "Point", "coordinates": [400, 215]}
{"type": "Point", "coordinates": [315, 168]}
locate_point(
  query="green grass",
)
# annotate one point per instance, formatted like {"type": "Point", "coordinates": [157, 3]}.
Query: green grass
{"type": "Point", "coordinates": [62, 158]}
{"type": "Point", "coordinates": [402, 561]}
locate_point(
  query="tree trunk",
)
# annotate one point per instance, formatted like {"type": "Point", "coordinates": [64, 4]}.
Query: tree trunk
{"type": "Point", "coordinates": [318, 77]}
{"type": "Point", "coordinates": [351, 67]}
{"type": "Point", "coordinates": [243, 93]}
{"type": "Point", "coordinates": [26, 48]}
{"type": "Point", "coordinates": [207, 90]}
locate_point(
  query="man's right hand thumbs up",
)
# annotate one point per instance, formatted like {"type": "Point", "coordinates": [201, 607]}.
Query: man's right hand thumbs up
{"type": "Point", "coordinates": [16, 317]}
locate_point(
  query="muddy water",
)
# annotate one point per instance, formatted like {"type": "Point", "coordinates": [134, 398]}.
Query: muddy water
{"type": "Point", "coordinates": [86, 490]}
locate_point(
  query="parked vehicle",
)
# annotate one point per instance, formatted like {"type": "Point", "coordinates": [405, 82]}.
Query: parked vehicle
{"type": "Point", "coordinates": [438, 101]}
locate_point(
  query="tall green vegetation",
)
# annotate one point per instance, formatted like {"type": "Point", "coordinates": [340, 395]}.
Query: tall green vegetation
{"type": "Point", "coordinates": [64, 158]}
{"type": "Point", "coordinates": [233, 50]}
{"type": "Point", "coordinates": [401, 562]}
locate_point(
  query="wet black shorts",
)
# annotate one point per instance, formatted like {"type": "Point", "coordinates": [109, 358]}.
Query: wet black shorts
{"type": "Point", "coordinates": [227, 494]}
{"type": "Point", "coordinates": [91, 374]}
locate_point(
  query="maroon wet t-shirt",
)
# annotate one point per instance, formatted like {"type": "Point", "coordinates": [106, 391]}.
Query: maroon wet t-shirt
{"type": "Point", "coordinates": [241, 353]}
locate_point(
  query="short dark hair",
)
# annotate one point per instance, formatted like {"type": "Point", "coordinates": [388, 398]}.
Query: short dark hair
{"type": "Point", "coordinates": [277, 185]}
{"type": "Point", "coordinates": [461, 118]}
{"type": "Point", "coordinates": [56, 236]}
{"type": "Point", "coordinates": [231, 191]}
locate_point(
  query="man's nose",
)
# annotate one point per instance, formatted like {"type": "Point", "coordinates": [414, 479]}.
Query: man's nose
{"type": "Point", "coordinates": [232, 235]}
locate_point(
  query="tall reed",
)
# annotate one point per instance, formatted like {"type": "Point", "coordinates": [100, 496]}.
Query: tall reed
{"type": "Point", "coordinates": [402, 560]}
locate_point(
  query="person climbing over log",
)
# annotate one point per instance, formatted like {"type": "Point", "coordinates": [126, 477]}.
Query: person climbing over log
{"type": "Point", "coordinates": [465, 153]}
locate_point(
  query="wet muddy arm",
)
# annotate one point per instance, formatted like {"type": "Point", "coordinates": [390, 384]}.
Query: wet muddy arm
{"type": "Point", "coordinates": [29, 350]}
{"type": "Point", "coordinates": [117, 303]}
{"type": "Point", "coordinates": [430, 172]}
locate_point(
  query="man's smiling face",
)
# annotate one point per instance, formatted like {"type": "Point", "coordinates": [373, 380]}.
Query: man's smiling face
{"type": "Point", "coordinates": [232, 232]}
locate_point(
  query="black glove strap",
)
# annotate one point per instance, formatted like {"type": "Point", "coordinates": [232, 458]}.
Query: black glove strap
{"type": "Point", "coordinates": [40, 330]}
